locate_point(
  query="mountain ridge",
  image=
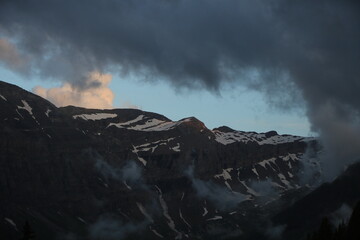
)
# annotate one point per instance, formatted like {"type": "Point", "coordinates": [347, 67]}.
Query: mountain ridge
{"type": "Point", "coordinates": [67, 169]}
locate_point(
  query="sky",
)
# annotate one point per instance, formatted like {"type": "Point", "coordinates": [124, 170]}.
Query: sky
{"type": "Point", "coordinates": [290, 66]}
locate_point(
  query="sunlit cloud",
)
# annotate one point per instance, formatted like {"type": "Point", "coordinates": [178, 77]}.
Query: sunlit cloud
{"type": "Point", "coordinates": [96, 95]}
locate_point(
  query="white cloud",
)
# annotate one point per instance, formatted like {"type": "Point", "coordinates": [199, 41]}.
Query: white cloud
{"type": "Point", "coordinates": [98, 95]}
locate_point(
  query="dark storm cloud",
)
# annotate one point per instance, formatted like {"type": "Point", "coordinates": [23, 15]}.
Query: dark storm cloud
{"type": "Point", "coordinates": [294, 51]}
{"type": "Point", "coordinates": [182, 41]}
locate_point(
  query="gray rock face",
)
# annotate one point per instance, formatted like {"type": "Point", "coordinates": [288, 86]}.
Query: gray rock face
{"type": "Point", "coordinates": [125, 173]}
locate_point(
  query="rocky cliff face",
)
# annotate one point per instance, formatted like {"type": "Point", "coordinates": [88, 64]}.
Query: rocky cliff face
{"type": "Point", "coordinates": [125, 173]}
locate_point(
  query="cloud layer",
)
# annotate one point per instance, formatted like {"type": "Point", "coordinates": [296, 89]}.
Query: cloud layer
{"type": "Point", "coordinates": [300, 52]}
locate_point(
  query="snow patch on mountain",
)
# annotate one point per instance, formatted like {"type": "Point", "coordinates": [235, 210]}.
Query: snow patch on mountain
{"type": "Point", "coordinates": [268, 162]}
{"type": "Point", "coordinates": [4, 98]}
{"type": "Point", "coordinates": [27, 108]}
{"type": "Point", "coordinates": [135, 151]}
{"type": "Point", "coordinates": [176, 148]}
{"type": "Point", "coordinates": [272, 164]}
{"type": "Point", "coordinates": [126, 185]}
{"type": "Point", "coordinates": [11, 222]}
{"type": "Point", "coordinates": [144, 212]}
{"type": "Point", "coordinates": [142, 123]}
{"type": "Point", "coordinates": [215, 218]}
{"type": "Point", "coordinates": [154, 125]}
{"type": "Point", "coordinates": [226, 138]}
{"type": "Point", "coordinates": [156, 233]}
{"type": "Point", "coordinates": [152, 146]}
{"type": "Point", "coordinates": [95, 116]}
{"type": "Point", "coordinates": [205, 212]}
{"type": "Point", "coordinates": [142, 160]}
{"type": "Point", "coordinates": [249, 190]}
{"type": "Point", "coordinates": [284, 181]}
{"type": "Point", "coordinates": [128, 123]}
{"type": "Point", "coordinates": [255, 172]}
{"type": "Point", "coordinates": [290, 156]}
{"type": "Point", "coordinates": [225, 174]}
{"type": "Point", "coordinates": [183, 219]}
{"type": "Point", "coordinates": [47, 112]}
{"type": "Point", "coordinates": [170, 221]}
{"type": "Point", "coordinates": [81, 220]}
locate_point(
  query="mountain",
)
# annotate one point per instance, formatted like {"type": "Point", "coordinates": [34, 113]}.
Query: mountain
{"type": "Point", "coordinates": [76, 173]}
{"type": "Point", "coordinates": [325, 201]}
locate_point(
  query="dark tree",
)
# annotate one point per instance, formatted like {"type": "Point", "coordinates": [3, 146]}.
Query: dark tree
{"type": "Point", "coordinates": [340, 232]}
{"type": "Point", "coordinates": [325, 231]}
{"type": "Point", "coordinates": [313, 236]}
{"type": "Point", "coordinates": [28, 233]}
{"type": "Point", "coordinates": [353, 232]}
